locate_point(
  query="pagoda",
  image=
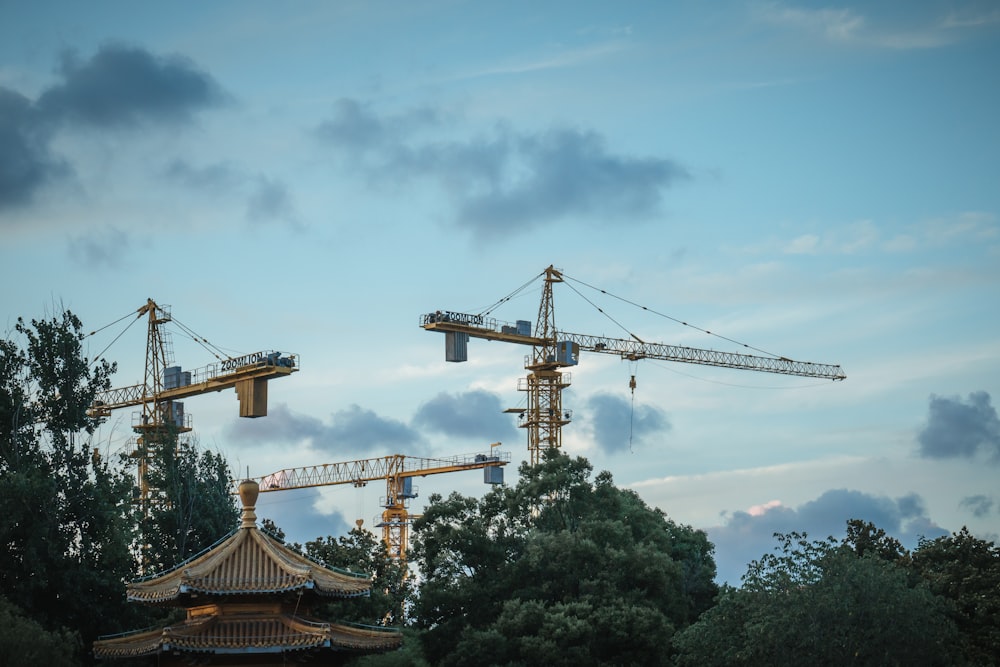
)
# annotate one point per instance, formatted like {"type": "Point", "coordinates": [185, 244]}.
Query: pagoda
{"type": "Point", "coordinates": [249, 601]}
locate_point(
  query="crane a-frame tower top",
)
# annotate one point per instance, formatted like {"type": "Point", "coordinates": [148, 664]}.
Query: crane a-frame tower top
{"type": "Point", "coordinates": [554, 349]}
{"type": "Point", "coordinates": [164, 385]}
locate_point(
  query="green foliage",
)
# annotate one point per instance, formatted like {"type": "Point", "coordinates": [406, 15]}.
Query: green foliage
{"type": "Point", "coordinates": [361, 551]}
{"type": "Point", "coordinates": [965, 571]}
{"type": "Point", "coordinates": [193, 507]}
{"type": "Point", "coordinates": [864, 538]}
{"type": "Point", "coordinates": [559, 570]}
{"type": "Point", "coordinates": [25, 643]}
{"type": "Point", "coordinates": [821, 603]}
{"type": "Point", "coordinates": [68, 526]}
{"type": "Point", "coordinates": [63, 566]}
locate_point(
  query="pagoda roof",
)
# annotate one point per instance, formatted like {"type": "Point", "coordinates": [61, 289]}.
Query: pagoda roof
{"type": "Point", "coordinates": [236, 595]}
{"type": "Point", "coordinates": [248, 633]}
{"type": "Point", "coordinates": [249, 562]}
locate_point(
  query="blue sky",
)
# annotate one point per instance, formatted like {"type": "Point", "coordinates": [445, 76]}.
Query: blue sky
{"type": "Point", "coordinates": [815, 180]}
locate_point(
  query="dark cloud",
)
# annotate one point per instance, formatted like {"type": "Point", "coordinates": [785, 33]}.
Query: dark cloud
{"type": "Point", "coordinates": [356, 128]}
{"type": "Point", "coordinates": [476, 415]}
{"type": "Point", "coordinates": [961, 429]}
{"type": "Point", "coordinates": [281, 427]}
{"type": "Point", "coordinates": [26, 163]}
{"type": "Point", "coordinates": [100, 248]}
{"type": "Point", "coordinates": [509, 181]}
{"type": "Point", "coordinates": [366, 430]}
{"type": "Point", "coordinates": [269, 201]}
{"type": "Point", "coordinates": [566, 173]}
{"type": "Point", "coordinates": [617, 426]}
{"type": "Point", "coordinates": [294, 513]}
{"type": "Point", "coordinates": [119, 86]}
{"type": "Point", "coordinates": [746, 536]}
{"type": "Point", "coordinates": [350, 432]}
{"type": "Point", "coordinates": [212, 177]}
{"type": "Point", "coordinates": [911, 506]}
{"type": "Point", "coordinates": [979, 505]}
{"type": "Point", "coordinates": [124, 86]}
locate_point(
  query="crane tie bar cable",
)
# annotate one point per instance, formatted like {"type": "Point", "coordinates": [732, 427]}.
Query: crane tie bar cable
{"type": "Point", "coordinates": [115, 339]}
{"type": "Point", "coordinates": [673, 319]}
{"type": "Point", "coordinates": [213, 349]}
{"type": "Point", "coordinates": [510, 296]}
{"type": "Point", "coordinates": [601, 311]}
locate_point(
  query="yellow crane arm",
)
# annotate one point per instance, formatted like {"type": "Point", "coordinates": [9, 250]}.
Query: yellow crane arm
{"type": "Point", "coordinates": [249, 370]}
{"type": "Point", "coordinates": [477, 326]}
{"type": "Point", "coordinates": [369, 470]}
{"type": "Point", "coordinates": [396, 470]}
{"type": "Point", "coordinates": [634, 350]}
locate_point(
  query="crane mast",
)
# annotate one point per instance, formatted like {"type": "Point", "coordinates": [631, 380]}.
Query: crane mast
{"type": "Point", "coordinates": [553, 350]}
{"type": "Point", "coordinates": [398, 471]}
{"type": "Point", "coordinates": [544, 417]}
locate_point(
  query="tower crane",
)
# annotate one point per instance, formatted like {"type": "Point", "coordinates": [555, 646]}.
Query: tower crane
{"type": "Point", "coordinates": [159, 394]}
{"type": "Point", "coordinates": [398, 471]}
{"type": "Point", "coordinates": [554, 349]}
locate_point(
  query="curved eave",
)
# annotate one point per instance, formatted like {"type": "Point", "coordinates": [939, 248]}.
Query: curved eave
{"type": "Point", "coordinates": [248, 563]}
{"type": "Point", "coordinates": [131, 645]}
{"type": "Point", "coordinates": [249, 634]}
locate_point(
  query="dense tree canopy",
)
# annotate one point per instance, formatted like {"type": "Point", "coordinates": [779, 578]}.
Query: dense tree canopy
{"type": "Point", "coordinates": [196, 508]}
{"type": "Point", "coordinates": [824, 603]}
{"type": "Point", "coordinates": [69, 530]}
{"type": "Point", "coordinates": [25, 643]}
{"type": "Point", "coordinates": [66, 528]}
{"type": "Point", "coordinates": [361, 551]}
{"type": "Point", "coordinates": [559, 570]}
{"type": "Point", "coordinates": [965, 571]}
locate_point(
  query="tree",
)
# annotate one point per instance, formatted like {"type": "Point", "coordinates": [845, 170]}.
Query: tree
{"type": "Point", "coordinates": [25, 643]}
{"type": "Point", "coordinates": [865, 538]}
{"type": "Point", "coordinates": [361, 551]}
{"type": "Point", "coordinates": [965, 571]}
{"type": "Point", "coordinates": [65, 523]}
{"type": "Point", "coordinates": [821, 603]}
{"type": "Point", "coordinates": [194, 506]}
{"type": "Point", "coordinates": [559, 570]}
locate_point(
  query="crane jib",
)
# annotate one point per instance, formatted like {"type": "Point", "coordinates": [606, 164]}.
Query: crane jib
{"type": "Point", "coordinates": [633, 350]}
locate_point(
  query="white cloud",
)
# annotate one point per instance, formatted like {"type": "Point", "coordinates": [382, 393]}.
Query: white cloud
{"type": "Point", "coordinates": [835, 24]}
{"type": "Point", "coordinates": [760, 510]}
{"type": "Point", "coordinates": [806, 244]}
{"type": "Point", "coordinates": [849, 27]}
{"type": "Point", "coordinates": [561, 60]}
{"type": "Point", "coordinates": [971, 20]}
{"type": "Point", "coordinates": [967, 225]}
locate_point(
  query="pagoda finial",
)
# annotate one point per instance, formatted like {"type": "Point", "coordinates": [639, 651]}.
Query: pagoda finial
{"type": "Point", "coordinates": [249, 490]}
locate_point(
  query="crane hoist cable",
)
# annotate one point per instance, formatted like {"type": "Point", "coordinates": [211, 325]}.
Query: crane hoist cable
{"type": "Point", "coordinates": [634, 364]}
